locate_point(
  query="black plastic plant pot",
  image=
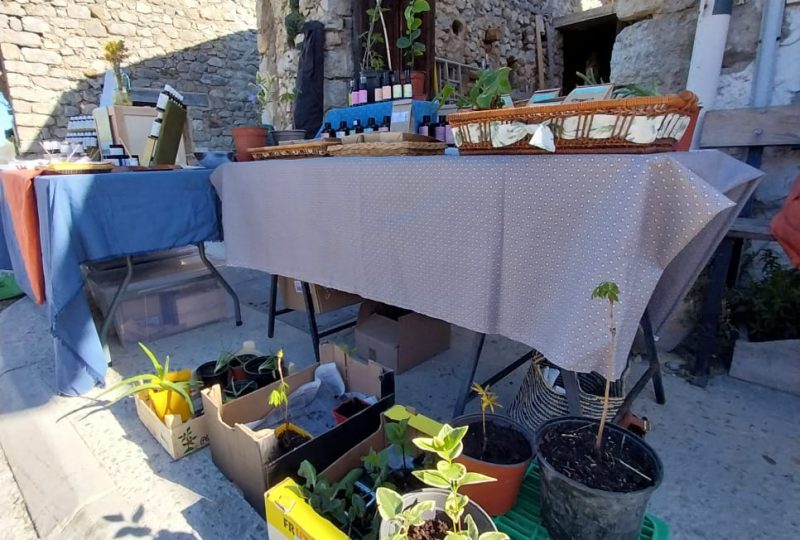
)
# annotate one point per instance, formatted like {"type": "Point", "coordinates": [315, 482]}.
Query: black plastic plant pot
{"type": "Point", "coordinates": [571, 510]}
{"type": "Point", "coordinates": [206, 373]}
{"type": "Point", "coordinates": [261, 378]}
{"type": "Point", "coordinates": [439, 496]}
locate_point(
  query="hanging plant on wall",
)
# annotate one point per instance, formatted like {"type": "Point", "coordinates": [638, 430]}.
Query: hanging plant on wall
{"type": "Point", "coordinates": [294, 22]}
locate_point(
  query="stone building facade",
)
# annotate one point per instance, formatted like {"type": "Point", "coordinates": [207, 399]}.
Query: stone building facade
{"type": "Point", "coordinates": [53, 59]}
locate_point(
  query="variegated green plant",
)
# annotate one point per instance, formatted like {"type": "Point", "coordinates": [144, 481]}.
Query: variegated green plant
{"type": "Point", "coordinates": [449, 475]}
{"type": "Point", "coordinates": [152, 381]}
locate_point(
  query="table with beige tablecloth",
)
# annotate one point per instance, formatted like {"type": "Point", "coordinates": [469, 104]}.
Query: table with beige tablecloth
{"type": "Point", "coordinates": [509, 245]}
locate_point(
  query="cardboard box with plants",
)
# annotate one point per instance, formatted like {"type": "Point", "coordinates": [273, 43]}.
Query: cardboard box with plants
{"type": "Point", "coordinates": [295, 508]}
{"type": "Point", "coordinates": [164, 405]}
{"type": "Point", "coordinates": [256, 457]}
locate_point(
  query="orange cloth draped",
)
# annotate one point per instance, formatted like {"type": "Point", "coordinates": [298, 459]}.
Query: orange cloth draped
{"type": "Point", "coordinates": [21, 201]}
{"type": "Point", "coordinates": [785, 225]}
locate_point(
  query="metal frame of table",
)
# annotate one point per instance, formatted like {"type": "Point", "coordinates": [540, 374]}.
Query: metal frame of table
{"type": "Point", "coordinates": [311, 316]}
{"type": "Point", "coordinates": [570, 378]}
{"type": "Point", "coordinates": [123, 287]}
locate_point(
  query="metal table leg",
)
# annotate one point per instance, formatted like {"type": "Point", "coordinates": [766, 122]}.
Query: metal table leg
{"type": "Point", "coordinates": [112, 309]}
{"type": "Point", "coordinates": [201, 248]}
{"type": "Point", "coordinates": [469, 377]}
{"type": "Point", "coordinates": [273, 299]}
{"type": "Point", "coordinates": [312, 319]}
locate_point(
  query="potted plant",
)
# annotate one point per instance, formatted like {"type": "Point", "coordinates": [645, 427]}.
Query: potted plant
{"type": "Point", "coordinates": [488, 90]}
{"type": "Point", "coordinates": [263, 370]}
{"type": "Point", "coordinates": [238, 388]}
{"type": "Point", "coordinates": [596, 479]}
{"type": "Point", "coordinates": [116, 52]}
{"type": "Point", "coordinates": [374, 62]}
{"type": "Point", "coordinates": [410, 45]}
{"type": "Point", "coordinates": [169, 392]}
{"type": "Point", "coordinates": [421, 514]}
{"type": "Point", "coordinates": [289, 436]}
{"type": "Point", "coordinates": [349, 407]}
{"type": "Point", "coordinates": [337, 502]}
{"type": "Point", "coordinates": [495, 446]}
{"type": "Point", "coordinates": [215, 371]}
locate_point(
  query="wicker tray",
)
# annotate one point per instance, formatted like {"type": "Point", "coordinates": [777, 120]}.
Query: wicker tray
{"type": "Point", "coordinates": [70, 167]}
{"type": "Point", "coordinates": [608, 126]}
{"type": "Point", "coordinates": [406, 148]}
{"type": "Point", "coordinates": [316, 148]}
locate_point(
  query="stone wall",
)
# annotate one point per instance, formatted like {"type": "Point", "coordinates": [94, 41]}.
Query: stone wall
{"type": "Point", "coordinates": [280, 58]}
{"type": "Point", "coordinates": [52, 52]}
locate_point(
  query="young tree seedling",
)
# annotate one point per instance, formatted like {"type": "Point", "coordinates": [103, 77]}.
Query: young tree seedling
{"type": "Point", "coordinates": [488, 401]}
{"type": "Point", "coordinates": [396, 434]}
{"type": "Point", "coordinates": [607, 290]}
{"type": "Point", "coordinates": [279, 397]}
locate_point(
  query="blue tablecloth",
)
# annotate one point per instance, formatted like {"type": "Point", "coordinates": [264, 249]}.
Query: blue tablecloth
{"type": "Point", "coordinates": [362, 113]}
{"type": "Point", "coordinates": [95, 217]}
{"type": "Point", "coordinates": [5, 225]}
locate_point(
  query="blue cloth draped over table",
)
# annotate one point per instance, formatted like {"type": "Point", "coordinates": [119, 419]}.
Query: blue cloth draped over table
{"type": "Point", "coordinates": [362, 113]}
{"type": "Point", "coordinates": [95, 217]}
{"type": "Point", "coordinates": [6, 244]}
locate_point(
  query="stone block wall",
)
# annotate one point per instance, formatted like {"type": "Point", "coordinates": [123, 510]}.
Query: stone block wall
{"type": "Point", "coordinates": [53, 59]}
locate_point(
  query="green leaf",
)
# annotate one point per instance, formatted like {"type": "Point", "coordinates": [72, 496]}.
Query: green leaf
{"type": "Point", "coordinates": [607, 290]}
{"type": "Point", "coordinates": [457, 536]}
{"type": "Point", "coordinates": [432, 478]}
{"type": "Point", "coordinates": [403, 42]}
{"type": "Point", "coordinates": [476, 478]}
{"type": "Point", "coordinates": [421, 6]}
{"type": "Point", "coordinates": [416, 514]}
{"type": "Point", "coordinates": [153, 360]}
{"type": "Point", "coordinates": [426, 444]}
{"type": "Point", "coordinates": [308, 472]}
{"type": "Point", "coordinates": [390, 503]}
{"type": "Point", "coordinates": [130, 382]}
{"type": "Point", "coordinates": [166, 366]}
{"type": "Point", "coordinates": [413, 36]}
{"type": "Point", "coordinates": [414, 24]}
{"type": "Point", "coordinates": [452, 472]}
{"type": "Point", "coordinates": [454, 506]}
{"type": "Point", "coordinates": [472, 529]}
{"type": "Point", "coordinates": [493, 535]}
{"type": "Point", "coordinates": [169, 385]}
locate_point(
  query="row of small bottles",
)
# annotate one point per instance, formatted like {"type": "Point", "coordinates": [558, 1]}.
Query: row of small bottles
{"type": "Point", "coordinates": [440, 130]}
{"type": "Point", "coordinates": [390, 85]}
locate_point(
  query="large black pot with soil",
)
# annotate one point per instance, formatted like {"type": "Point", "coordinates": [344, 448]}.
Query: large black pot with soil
{"type": "Point", "coordinates": [210, 376]}
{"type": "Point", "coordinates": [436, 522]}
{"type": "Point", "coordinates": [504, 454]}
{"type": "Point", "coordinates": [590, 495]}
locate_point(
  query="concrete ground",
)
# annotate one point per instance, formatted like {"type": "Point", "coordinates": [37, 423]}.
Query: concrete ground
{"type": "Point", "coordinates": [731, 452]}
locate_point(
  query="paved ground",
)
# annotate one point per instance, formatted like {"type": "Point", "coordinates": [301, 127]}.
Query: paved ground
{"type": "Point", "coordinates": [731, 451]}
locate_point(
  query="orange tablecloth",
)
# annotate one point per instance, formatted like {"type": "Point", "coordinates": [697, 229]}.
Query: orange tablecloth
{"type": "Point", "coordinates": [786, 225]}
{"type": "Point", "coordinates": [21, 201]}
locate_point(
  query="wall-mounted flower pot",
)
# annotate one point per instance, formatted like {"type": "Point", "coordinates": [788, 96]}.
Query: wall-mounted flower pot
{"type": "Point", "coordinates": [349, 408]}
{"type": "Point", "coordinates": [168, 402]}
{"type": "Point", "coordinates": [586, 496]}
{"type": "Point", "coordinates": [245, 137]}
{"type": "Point", "coordinates": [482, 520]}
{"type": "Point", "coordinates": [262, 377]}
{"type": "Point", "coordinates": [207, 373]}
{"type": "Point", "coordinates": [418, 84]}
{"type": "Point", "coordinates": [506, 457]}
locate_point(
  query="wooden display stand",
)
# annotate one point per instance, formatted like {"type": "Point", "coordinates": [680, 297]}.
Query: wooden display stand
{"type": "Point", "coordinates": [130, 126]}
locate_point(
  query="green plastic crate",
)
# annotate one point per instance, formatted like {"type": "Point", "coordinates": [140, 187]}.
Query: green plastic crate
{"type": "Point", "coordinates": [8, 287]}
{"type": "Point", "coordinates": [524, 521]}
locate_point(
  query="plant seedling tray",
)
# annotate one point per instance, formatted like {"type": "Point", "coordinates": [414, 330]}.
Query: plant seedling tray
{"type": "Point", "coordinates": [524, 521]}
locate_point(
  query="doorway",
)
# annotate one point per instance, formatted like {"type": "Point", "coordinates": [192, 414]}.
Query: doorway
{"type": "Point", "coordinates": [587, 47]}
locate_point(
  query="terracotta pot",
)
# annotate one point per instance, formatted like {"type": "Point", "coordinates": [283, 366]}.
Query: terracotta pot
{"type": "Point", "coordinates": [248, 137]}
{"type": "Point", "coordinates": [498, 497]}
{"type": "Point", "coordinates": [685, 143]}
{"type": "Point", "coordinates": [418, 85]}
{"type": "Point", "coordinates": [236, 367]}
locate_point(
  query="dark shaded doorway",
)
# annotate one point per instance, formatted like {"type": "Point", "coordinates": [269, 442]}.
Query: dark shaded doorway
{"type": "Point", "coordinates": [588, 45]}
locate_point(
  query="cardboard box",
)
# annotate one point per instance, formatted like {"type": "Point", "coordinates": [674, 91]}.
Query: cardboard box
{"type": "Point", "coordinates": [290, 517]}
{"type": "Point", "coordinates": [176, 436]}
{"type": "Point", "coordinates": [243, 455]}
{"type": "Point", "coordinates": [398, 338]}
{"type": "Point", "coordinates": [323, 298]}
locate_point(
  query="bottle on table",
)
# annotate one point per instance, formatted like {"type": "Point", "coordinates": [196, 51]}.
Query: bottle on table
{"type": "Point", "coordinates": [343, 131]}
{"type": "Point", "coordinates": [387, 85]}
{"type": "Point", "coordinates": [386, 125]}
{"type": "Point", "coordinates": [357, 127]}
{"type": "Point", "coordinates": [448, 134]}
{"type": "Point", "coordinates": [424, 127]}
{"type": "Point", "coordinates": [397, 87]}
{"type": "Point", "coordinates": [407, 90]}
{"type": "Point", "coordinates": [326, 131]}
{"type": "Point", "coordinates": [378, 91]}
{"type": "Point", "coordinates": [440, 131]}
{"type": "Point", "coordinates": [363, 96]}
{"type": "Point", "coordinates": [351, 96]}
{"type": "Point", "coordinates": [371, 126]}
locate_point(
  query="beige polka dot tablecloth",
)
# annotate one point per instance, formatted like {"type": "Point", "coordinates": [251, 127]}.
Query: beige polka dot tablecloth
{"type": "Point", "coordinates": [509, 245]}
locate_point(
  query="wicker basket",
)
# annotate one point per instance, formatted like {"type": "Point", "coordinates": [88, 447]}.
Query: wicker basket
{"type": "Point", "coordinates": [406, 148]}
{"type": "Point", "coordinates": [635, 125]}
{"type": "Point", "coordinates": [537, 401]}
{"type": "Point", "coordinates": [78, 167]}
{"type": "Point", "coordinates": [316, 148]}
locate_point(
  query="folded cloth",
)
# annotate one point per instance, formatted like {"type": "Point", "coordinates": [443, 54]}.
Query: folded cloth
{"type": "Point", "coordinates": [785, 226]}
{"type": "Point", "coordinates": [20, 199]}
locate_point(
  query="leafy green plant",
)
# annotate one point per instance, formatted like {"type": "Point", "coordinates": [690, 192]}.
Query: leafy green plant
{"type": "Point", "coordinates": [449, 475]}
{"type": "Point", "coordinates": [396, 435]}
{"type": "Point", "coordinates": [376, 464]}
{"type": "Point", "coordinates": [152, 381]}
{"type": "Point", "coordinates": [337, 501]}
{"type": "Point", "coordinates": [488, 401]}
{"type": "Point", "coordinates": [444, 94]}
{"type": "Point", "coordinates": [589, 78]}
{"type": "Point", "coordinates": [768, 306]}
{"type": "Point", "coordinates": [487, 92]}
{"type": "Point", "coordinates": [223, 360]}
{"type": "Point", "coordinates": [409, 43]}
{"type": "Point", "coordinates": [293, 21]}
{"type": "Point", "coordinates": [634, 90]}
{"type": "Point", "coordinates": [607, 290]}
{"type": "Point", "coordinates": [280, 396]}
{"type": "Point", "coordinates": [237, 389]}
{"type": "Point", "coordinates": [270, 364]}
{"type": "Point", "coordinates": [372, 38]}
